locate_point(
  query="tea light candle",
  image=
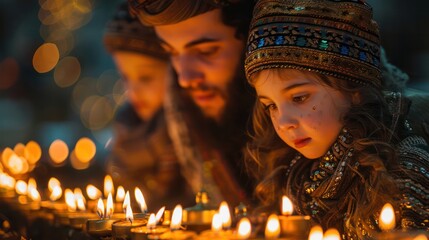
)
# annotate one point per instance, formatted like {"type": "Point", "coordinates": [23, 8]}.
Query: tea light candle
{"type": "Point", "coordinates": [216, 231]}
{"type": "Point", "coordinates": [175, 227]}
{"type": "Point", "coordinates": [198, 218]}
{"type": "Point", "coordinates": [272, 229]}
{"type": "Point", "coordinates": [101, 227]}
{"type": "Point", "coordinates": [122, 228]}
{"type": "Point", "coordinates": [297, 227]}
{"type": "Point", "coordinates": [78, 221]}
{"type": "Point", "coordinates": [150, 231]}
{"type": "Point", "coordinates": [387, 223]}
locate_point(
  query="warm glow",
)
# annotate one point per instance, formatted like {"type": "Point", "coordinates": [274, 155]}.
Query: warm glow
{"type": "Point", "coordinates": [225, 215]}
{"type": "Point", "coordinates": [129, 214]}
{"type": "Point", "coordinates": [70, 200]}
{"type": "Point", "coordinates": [93, 192]}
{"type": "Point", "coordinates": [33, 152]}
{"type": "Point", "coordinates": [126, 201]}
{"type": "Point", "coordinates": [120, 194]}
{"type": "Point", "coordinates": [387, 218]}
{"type": "Point", "coordinates": [16, 164]}
{"type": "Point", "coordinates": [80, 199]}
{"type": "Point", "coordinates": [216, 222]}
{"type": "Point", "coordinates": [32, 183]}
{"type": "Point", "coordinates": [159, 214]}
{"type": "Point", "coordinates": [331, 234]}
{"type": "Point", "coordinates": [176, 218]}
{"type": "Point", "coordinates": [316, 233]}
{"type": "Point", "coordinates": [19, 149]}
{"type": "Point", "coordinates": [76, 163]}
{"type": "Point", "coordinates": [34, 194]}
{"type": "Point", "coordinates": [108, 185]}
{"type": "Point", "coordinates": [56, 193]}
{"type": "Point", "coordinates": [6, 154]}
{"type": "Point", "coordinates": [85, 150]}
{"type": "Point", "coordinates": [272, 229]}
{"type": "Point", "coordinates": [140, 199]}
{"type": "Point", "coordinates": [244, 229]}
{"type": "Point", "coordinates": [287, 207]}
{"type": "Point", "coordinates": [46, 57]}
{"type": "Point", "coordinates": [52, 183]}
{"type": "Point", "coordinates": [421, 237]}
{"type": "Point", "coordinates": [151, 222]}
{"type": "Point", "coordinates": [21, 187]}
{"type": "Point", "coordinates": [7, 181]}
{"type": "Point", "coordinates": [109, 206]}
{"type": "Point", "coordinates": [100, 208]}
{"type": "Point", "coordinates": [58, 151]}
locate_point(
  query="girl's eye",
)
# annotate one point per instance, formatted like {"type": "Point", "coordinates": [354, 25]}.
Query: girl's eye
{"type": "Point", "coordinates": [300, 99]}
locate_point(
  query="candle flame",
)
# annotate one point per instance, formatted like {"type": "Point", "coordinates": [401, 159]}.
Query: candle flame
{"type": "Point", "coordinates": [287, 207]}
{"type": "Point", "coordinates": [272, 229]}
{"type": "Point", "coordinates": [80, 199]}
{"type": "Point", "coordinates": [151, 222]}
{"type": "Point", "coordinates": [32, 183]}
{"type": "Point", "coordinates": [100, 208]}
{"type": "Point", "coordinates": [244, 228]}
{"type": "Point", "coordinates": [56, 193]}
{"type": "Point", "coordinates": [316, 233]}
{"type": "Point", "coordinates": [387, 218]}
{"type": "Point", "coordinates": [216, 222]}
{"type": "Point", "coordinates": [129, 214]}
{"type": "Point", "coordinates": [34, 194]}
{"type": "Point", "coordinates": [140, 199]}
{"type": "Point", "coordinates": [52, 183]}
{"type": "Point", "coordinates": [331, 234]}
{"type": "Point", "coordinates": [70, 200]}
{"type": "Point", "coordinates": [93, 192]}
{"type": "Point", "coordinates": [159, 214]}
{"type": "Point", "coordinates": [126, 201]}
{"type": "Point", "coordinates": [225, 215]}
{"type": "Point", "coordinates": [21, 187]}
{"type": "Point", "coordinates": [120, 194]}
{"type": "Point", "coordinates": [109, 206]}
{"type": "Point", "coordinates": [176, 218]}
{"type": "Point", "coordinates": [108, 185]}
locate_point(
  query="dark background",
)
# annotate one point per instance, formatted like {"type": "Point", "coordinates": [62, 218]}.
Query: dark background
{"type": "Point", "coordinates": [34, 107]}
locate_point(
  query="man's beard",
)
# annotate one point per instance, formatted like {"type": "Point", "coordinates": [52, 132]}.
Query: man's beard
{"type": "Point", "coordinates": [233, 120]}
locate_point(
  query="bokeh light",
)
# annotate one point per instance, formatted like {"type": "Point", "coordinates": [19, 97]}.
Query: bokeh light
{"type": "Point", "coordinates": [85, 149]}
{"type": "Point", "coordinates": [76, 163]}
{"type": "Point", "coordinates": [33, 152]}
{"type": "Point", "coordinates": [67, 72]}
{"type": "Point", "coordinates": [46, 57]}
{"type": "Point", "coordinates": [58, 151]}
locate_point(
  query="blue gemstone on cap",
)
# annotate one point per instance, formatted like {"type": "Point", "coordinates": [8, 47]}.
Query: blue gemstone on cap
{"type": "Point", "coordinates": [279, 40]}
{"type": "Point", "coordinates": [261, 42]}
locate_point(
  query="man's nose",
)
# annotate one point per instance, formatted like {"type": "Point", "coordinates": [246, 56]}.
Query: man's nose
{"type": "Point", "coordinates": [188, 71]}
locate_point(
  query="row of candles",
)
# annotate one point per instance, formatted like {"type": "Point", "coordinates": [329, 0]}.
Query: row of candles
{"type": "Point", "coordinates": [200, 222]}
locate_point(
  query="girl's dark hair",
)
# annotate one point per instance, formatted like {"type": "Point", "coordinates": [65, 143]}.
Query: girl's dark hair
{"type": "Point", "coordinates": [368, 188]}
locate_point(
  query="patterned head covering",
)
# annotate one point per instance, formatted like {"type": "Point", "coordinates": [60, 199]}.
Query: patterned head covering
{"type": "Point", "coordinates": [164, 12]}
{"type": "Point", "coordinates": [332, 37]}
{"type": "Point", "coordinates": [125, 33]}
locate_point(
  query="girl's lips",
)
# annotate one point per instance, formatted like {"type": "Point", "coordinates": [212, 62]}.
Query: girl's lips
{"type": "Point", "coordinates": [299, 143]}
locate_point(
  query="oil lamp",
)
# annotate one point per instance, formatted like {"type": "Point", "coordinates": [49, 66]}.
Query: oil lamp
{"type": "Point", "coordinates": [122, 228]}
{"type": "Point", "coordinates": [296, 227]}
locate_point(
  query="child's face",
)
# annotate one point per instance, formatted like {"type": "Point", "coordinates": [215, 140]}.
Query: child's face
{"type": "Point", "coordinates": [306, 115]}
{"type": "Point", "coordinates": [145, 79]}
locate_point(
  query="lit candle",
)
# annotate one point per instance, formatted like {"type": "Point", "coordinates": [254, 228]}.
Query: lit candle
{"type": "Point", "coordinates": [244, 229]}
{"type": "Point", "coordinates": [387, 223]}
{"type": "Point", "coordinates": [316, 233]}
{"type": "Point", "coordinates": [199, 217]}
{"type": "Point", "coordinates": [122, 228]}
{"type": "Point", "coordinates": [297, 227]}
{"type": "Point", "coordinates": [150, 231]}
{"type": "Point", "coordinates": [102, 227]}
{"type": "Point", "coordinates": [331, 234]}
{"type": "Point", "coordinates": [141, 202]}
{"type": "Point", "coordinates": [176, 226]}
{"type": "Point", "coordinates": [216, 231]}
{"type": "Point", "coordinates": [272, 229]}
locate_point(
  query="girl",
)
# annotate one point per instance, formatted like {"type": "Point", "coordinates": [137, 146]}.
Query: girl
{"type": "Point", "coordinates": [324, 133]}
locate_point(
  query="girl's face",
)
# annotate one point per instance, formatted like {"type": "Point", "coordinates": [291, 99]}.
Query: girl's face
{"type": "Point", "coordinates": [306, 115]}
{"type": "Point", "coordinates": [145, 79]}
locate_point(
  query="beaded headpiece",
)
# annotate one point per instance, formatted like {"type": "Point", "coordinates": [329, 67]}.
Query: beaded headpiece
{"type": "Point", "coordinates": [164, 12]}
{"type": "Point", "coordinates": [333, 37]}
{"type": "Point", "coordinates": [126, 33]}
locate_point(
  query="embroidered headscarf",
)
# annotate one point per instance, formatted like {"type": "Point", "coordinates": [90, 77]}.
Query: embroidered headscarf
{"type": "Point", "coordinates": [126, 33]}
{"type": "Point", "coordinates": [332, 37]}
